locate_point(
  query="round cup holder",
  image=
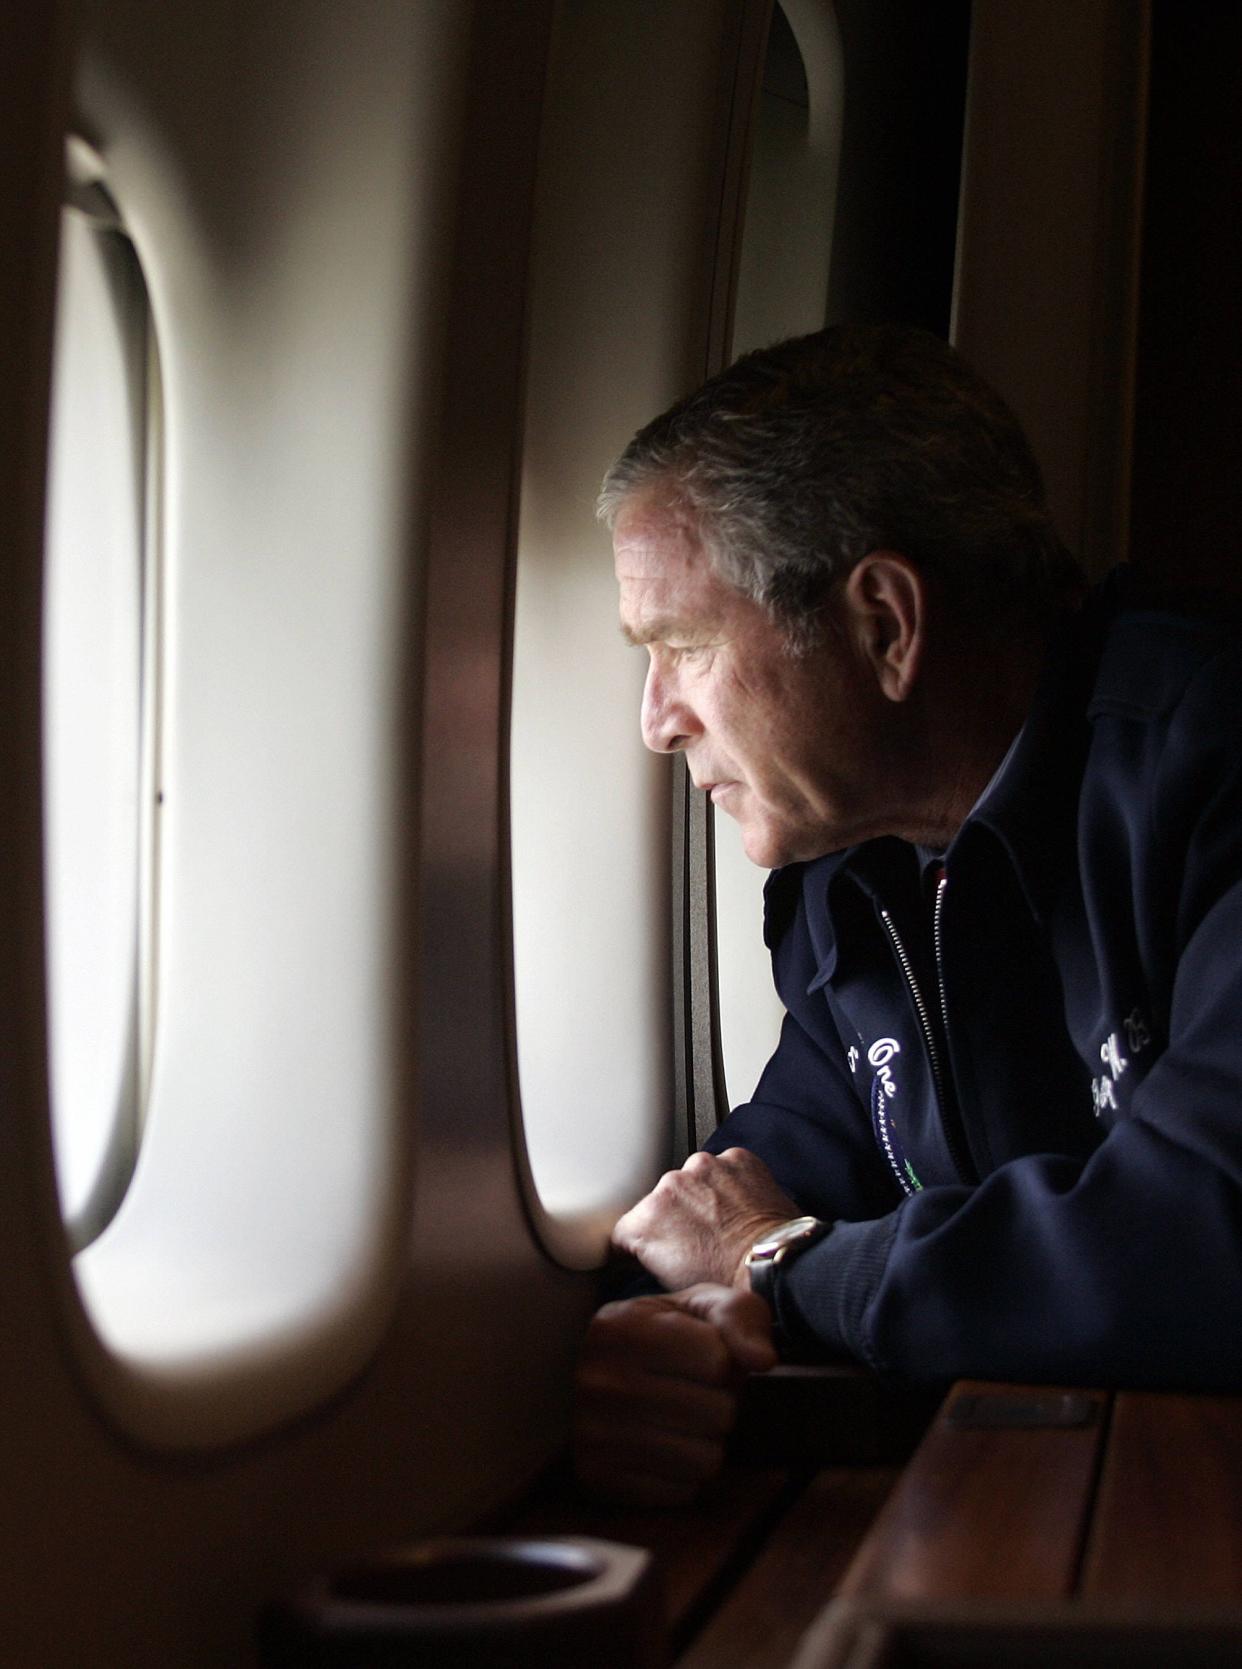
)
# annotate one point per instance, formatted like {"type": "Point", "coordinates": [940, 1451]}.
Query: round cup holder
{"type": "Point", "coordinates": [473, 1602]}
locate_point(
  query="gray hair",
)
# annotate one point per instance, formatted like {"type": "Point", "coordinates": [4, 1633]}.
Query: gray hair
{"type": "Point", "coordinates": [801, 458]}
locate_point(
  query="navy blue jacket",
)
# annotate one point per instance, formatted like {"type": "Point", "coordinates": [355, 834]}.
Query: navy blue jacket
{"type": "Point", "coordinates": [1049, 1185]}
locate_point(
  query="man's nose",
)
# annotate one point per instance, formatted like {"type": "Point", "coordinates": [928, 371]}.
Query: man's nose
{"type": "Point", "coordinates": [667, 722]}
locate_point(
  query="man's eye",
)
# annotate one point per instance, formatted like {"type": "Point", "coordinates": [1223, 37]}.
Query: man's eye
{"type": "Point", "coordinates": [680, 654]}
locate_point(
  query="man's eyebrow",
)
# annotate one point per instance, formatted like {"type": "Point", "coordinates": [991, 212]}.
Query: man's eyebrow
{"type": "Point", "coordinates": [661, 628]}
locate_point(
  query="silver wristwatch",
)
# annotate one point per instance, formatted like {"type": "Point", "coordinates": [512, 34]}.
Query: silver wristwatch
{"type": "Point", "coordinates": [780, 1245]}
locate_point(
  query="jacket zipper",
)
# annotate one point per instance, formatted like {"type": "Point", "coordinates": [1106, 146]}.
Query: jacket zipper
{"type": "Point", "coordinates": [937, 912]}
{"type": "Point", "coordinates": [948, 1114]}
{"type": "Point", "coordinates": [920, 1007]}
{"type": "Point", "coordinates": [954, 1131]}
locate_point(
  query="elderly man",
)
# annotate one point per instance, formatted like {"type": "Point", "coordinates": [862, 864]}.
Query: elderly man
{"type": "Point", "coordinates": [1002, 1132]}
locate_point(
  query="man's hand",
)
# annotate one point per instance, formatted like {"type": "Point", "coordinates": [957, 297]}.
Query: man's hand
{"type": "Point", "coordinates": [657, 1390]}
{"type": "Point", "coordinates": [698, 1223]}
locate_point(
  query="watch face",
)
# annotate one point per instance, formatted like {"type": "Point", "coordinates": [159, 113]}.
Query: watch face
{"type": "Point", "coordinates": [784, 1234]}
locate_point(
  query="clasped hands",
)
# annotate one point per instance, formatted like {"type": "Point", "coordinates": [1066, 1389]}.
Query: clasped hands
{"type": "Point", "coordinates": [659, 1377]}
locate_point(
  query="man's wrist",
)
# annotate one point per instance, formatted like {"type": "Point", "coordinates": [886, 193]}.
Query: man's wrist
{"type": "Point", "coordinates": [756, 1235]}
{"type": "Point", "coordinates": [780, 1245]}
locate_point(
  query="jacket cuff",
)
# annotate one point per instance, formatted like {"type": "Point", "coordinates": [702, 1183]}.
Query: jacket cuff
{"type": "Point", "coordinates": [822, 1298]}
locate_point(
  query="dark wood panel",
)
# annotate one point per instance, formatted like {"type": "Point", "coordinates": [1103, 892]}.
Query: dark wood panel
{"type": "Point", "coordinates": [795, 1575]}
{"type": "Point", "coordinates": [896, 1634]}
{"type": "Point", "coordinates": [992, 1510]}
{"type": "Point", "coordinates": [1168, 1522]}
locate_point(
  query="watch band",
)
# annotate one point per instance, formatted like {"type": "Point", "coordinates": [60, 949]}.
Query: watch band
{"type": "Point", "coordinates": [780, 1245]}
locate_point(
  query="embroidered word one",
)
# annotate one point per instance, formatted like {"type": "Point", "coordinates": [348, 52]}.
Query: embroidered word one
{"type": "Point", "coordinates": [879, 1055]}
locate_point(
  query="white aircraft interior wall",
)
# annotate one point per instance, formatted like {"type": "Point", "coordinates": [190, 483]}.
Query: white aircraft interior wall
{"type": "Point", "coordinates": [249, 1269]}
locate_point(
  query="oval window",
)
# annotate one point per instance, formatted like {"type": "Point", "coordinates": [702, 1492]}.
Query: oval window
{"type": "Point", "coordinates": [98, 624]}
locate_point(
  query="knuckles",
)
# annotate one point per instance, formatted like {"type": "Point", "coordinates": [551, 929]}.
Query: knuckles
{"type": "Point", "coordinates": [697, 1162]}
{"type": "Point", "coordinates": [706, 1186]}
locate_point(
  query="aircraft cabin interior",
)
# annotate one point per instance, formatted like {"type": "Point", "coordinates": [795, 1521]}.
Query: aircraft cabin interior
{"type": "Point", "coordinates": [359, 965]}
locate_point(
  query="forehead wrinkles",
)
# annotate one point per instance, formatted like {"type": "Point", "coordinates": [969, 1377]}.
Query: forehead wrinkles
{"type": "Point", "coordinates": [653, 537]}
{"type": "Point", "coordinates": [667, 585]}
{"type": "Point", "coordinates": [657, 609]}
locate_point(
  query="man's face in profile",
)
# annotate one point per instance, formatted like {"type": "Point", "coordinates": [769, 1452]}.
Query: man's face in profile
{"type": "Point", "coordinates": [783, 743]}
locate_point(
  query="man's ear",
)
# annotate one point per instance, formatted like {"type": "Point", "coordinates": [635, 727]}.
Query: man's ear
{"type": "Point", "coordinates": [886, 606]}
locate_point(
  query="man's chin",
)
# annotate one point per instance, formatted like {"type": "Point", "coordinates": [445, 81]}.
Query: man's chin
{"type": "Point", "coordinates": [770, 848]}
{"type": "Point", "coordinates": [764, 847]}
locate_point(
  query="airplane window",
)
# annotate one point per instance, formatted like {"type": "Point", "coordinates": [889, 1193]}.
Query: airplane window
{"type": "Point", "coordinates": [242, 1261]}
{"type": "Point", "coordinates": [615, 334]}
{"type": "Point", "coordinates": [782, 286]}
{"type": "Point", "coordinates": [589, 885]}
{"type": "Point", "coordinates": [98, 625]}
{"type": "Point", "coordinates": [782, 291]}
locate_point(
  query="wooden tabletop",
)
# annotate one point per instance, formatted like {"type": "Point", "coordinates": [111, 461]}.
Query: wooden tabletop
{"type": "Point", "coordinates": [1025, 1510]}
{"type": "Point", "coordinates": [1034, 1524]}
